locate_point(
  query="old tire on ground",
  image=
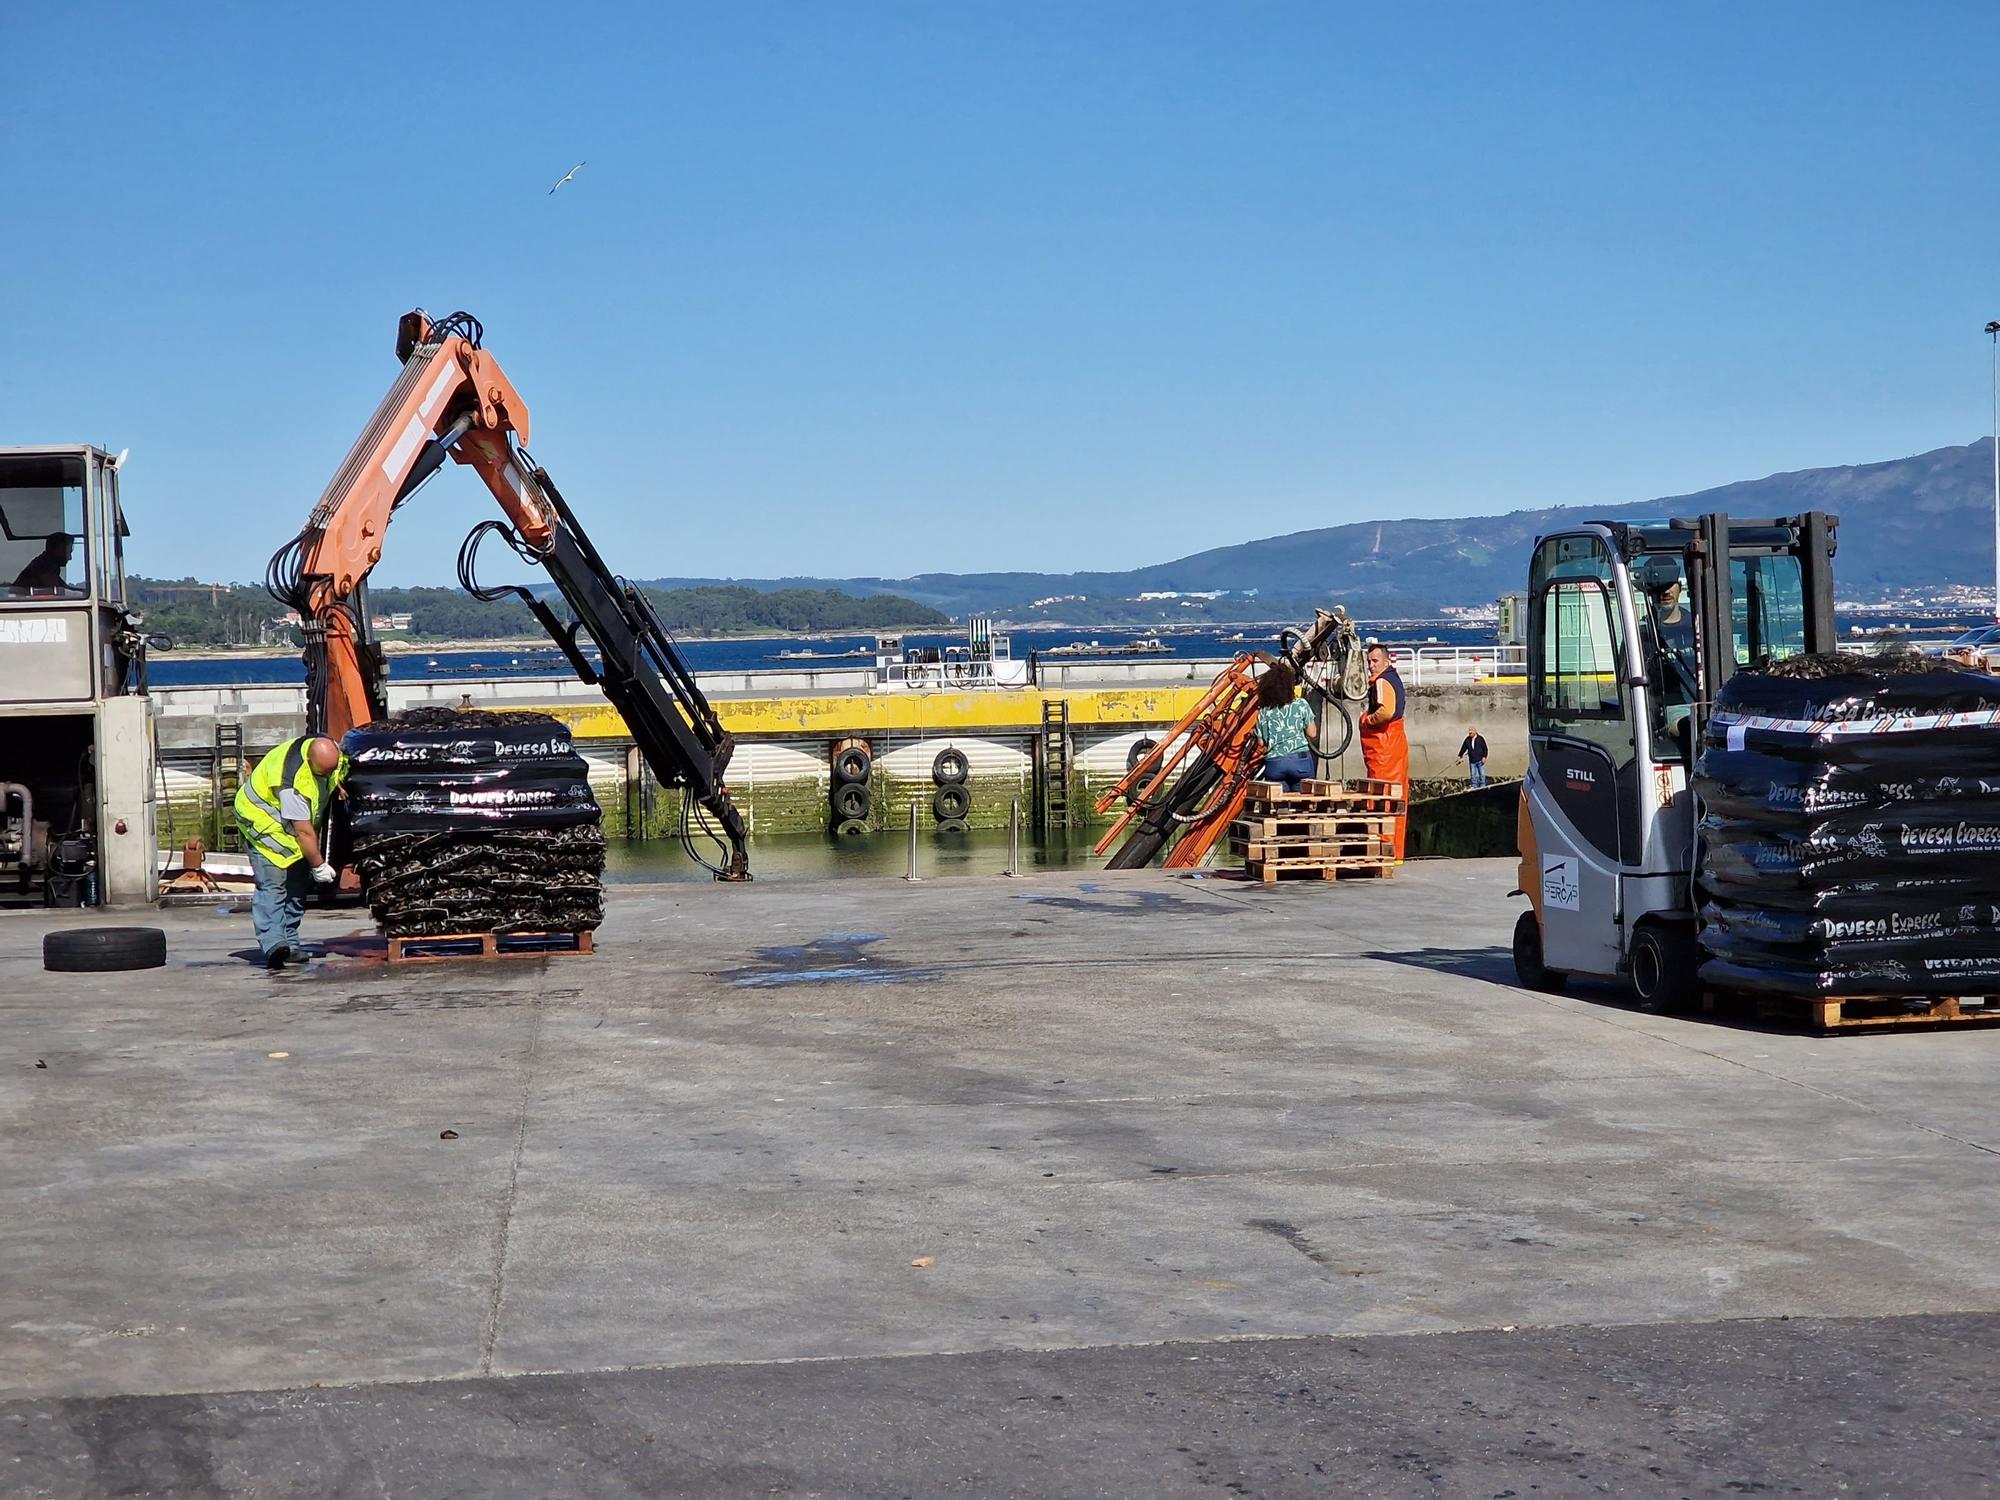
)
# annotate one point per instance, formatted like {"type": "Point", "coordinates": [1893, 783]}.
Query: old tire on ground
{"type": "Point", "coordinates": [851, 801]}
{"type": "Point", "coordinates": [950, 768]}
{"type": "Point", "coordinates": [103, 950]}
{"type": "Point", "coordinates": [1528, 965]}
{"type": "Point", "coordinates": [950, 802]}
{"type": "Point", "coordinates": [953, 825]}
{"type": "Point", "coordinates": [848, 828]}
{"type": "Point", "coordinates": [852, 764]}
{"type": "Point", "coordinates": [1664, 964]}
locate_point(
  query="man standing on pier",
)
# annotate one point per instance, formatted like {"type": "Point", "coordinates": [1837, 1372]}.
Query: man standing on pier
{"type": "Point", "coordinates": [282, 811]}
{"type": "Point", "coordinates": [1385, 747]}
{"type": "Point", "coordinates": [1473, 752]}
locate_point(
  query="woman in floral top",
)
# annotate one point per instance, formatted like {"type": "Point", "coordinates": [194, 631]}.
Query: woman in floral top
{"type": "Point", "coordinates": [1286, 724]}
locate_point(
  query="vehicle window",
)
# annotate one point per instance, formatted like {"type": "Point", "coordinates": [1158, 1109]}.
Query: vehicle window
{"type": "Point", "coordinates": [42, 534]}
{"type": "Point", "coordinates": [104, 526]}
{"type": "Point", "coordinates": [1768, 604]}
{"type": "Point", "coordinates": [1580, 651]}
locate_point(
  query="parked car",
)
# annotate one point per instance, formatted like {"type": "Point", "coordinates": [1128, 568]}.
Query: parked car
{"type": "Point", "coordinates": [1976, 648]}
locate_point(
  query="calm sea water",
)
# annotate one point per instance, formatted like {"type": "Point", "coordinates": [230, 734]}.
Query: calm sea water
{"type": "Point", "coordinates": [737, 656]}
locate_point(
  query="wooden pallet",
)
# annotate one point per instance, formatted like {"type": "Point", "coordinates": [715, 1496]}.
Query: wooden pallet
{"type": "Point", "coordinates": [456, 945]}
{"type": "Point", "coordinates": [1375, 795]}
{"type": "Point", "coordinates": [1857, 1012]}
{"type": "Point", "coordinates": [1313, 825]}
{"type": "Point", "coordinates": [1269, 798]}
{"type": "Point", "coordinates": [1270, 871]}
{"type": "Point", "coordinates": [1297, 851]}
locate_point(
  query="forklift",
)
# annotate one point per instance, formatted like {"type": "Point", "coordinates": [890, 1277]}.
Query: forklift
{"type": "Point", "coordinates": [1633, 628]}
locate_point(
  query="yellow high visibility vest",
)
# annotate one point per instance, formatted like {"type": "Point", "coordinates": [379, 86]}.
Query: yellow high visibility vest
{"type": "Point", "coordinates": [265, 827]}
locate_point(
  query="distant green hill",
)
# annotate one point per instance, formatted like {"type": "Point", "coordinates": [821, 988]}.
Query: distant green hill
{"type": "Point", "coordinates": [199, 614]}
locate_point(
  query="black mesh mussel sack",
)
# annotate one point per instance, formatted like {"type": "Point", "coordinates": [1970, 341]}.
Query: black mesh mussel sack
{"type": "Point", "coordinates": [467, 821]}
{"type": "Point", "coordinates": [1851, 829]}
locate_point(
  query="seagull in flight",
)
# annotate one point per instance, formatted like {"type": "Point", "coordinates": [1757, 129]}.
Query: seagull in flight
{"type": "Point", "coordinates": [566, 176]}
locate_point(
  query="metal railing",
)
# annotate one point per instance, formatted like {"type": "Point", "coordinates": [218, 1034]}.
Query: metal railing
{"type": "Point", "coordinates": [1439, 666]}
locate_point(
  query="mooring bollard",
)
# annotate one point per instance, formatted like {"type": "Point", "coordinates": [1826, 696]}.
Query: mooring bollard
{"type": "Point", "coordinates": [1014, 838]}
{"type": "Point", "coordinates": [911, 873]}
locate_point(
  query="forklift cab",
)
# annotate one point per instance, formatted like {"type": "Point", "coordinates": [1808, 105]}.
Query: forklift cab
{"type": "Point", "coordinates": [1633, 627]}
{"type": "Point", "coordinates": [76, 746]}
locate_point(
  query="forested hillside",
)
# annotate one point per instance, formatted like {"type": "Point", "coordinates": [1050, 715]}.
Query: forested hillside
{"type": "Point", "coordinates": [200, 614]}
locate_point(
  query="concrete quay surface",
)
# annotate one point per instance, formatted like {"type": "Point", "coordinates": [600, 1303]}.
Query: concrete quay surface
{"type": "Point", "coordinates": [1111, 1185]}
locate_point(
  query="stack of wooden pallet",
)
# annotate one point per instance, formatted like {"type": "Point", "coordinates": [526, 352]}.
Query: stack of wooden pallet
{"type": "Point", "coordinates": [1326, 830]}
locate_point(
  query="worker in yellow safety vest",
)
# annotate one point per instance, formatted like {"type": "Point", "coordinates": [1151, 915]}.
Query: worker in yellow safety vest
{"type": "Point", "coordinates": [282, 810]}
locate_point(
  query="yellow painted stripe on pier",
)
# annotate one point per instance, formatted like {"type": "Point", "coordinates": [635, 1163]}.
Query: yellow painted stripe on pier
{"type": "Point", "coordinates": [909, 713]}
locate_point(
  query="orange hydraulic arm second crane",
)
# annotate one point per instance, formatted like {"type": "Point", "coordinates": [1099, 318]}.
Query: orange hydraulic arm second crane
{"type": "Point", "coordinates": [452, 399]}
{"type": "Point", "coordinates": [1188, 789]}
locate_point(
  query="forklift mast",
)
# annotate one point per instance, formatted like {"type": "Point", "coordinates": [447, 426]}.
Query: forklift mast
{"type": "Point", "coordinates": [1810, 537]}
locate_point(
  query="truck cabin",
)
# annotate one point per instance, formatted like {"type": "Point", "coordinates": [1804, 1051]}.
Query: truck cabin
{"type": "Point", "coordinates": [66, 647]}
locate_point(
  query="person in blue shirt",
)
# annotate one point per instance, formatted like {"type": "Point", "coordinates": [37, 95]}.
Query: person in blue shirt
{"type": "Point", "coordinates": [1287, 726]}
{"type": "Point", "coordinates": [1472, 750]}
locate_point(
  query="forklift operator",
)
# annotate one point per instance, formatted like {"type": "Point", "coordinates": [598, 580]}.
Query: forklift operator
{"type": "Point", "coordinates": [1673, 628]}
{"type": "Point", "coordinates": [44, 573]}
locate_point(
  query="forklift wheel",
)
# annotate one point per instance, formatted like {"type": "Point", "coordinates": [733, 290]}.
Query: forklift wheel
{"type": "Point", "coordinates": [1664, 965]}
{"type": "Point", "coordinates": [1528, 965]}
{"type": "Point", "coordinates": [103, 950]}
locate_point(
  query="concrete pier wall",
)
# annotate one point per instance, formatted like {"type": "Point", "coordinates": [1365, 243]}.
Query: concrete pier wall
{"type": "Point", "coordinates": [781, 775]}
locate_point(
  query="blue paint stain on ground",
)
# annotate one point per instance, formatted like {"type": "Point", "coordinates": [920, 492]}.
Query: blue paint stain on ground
{"type": "Point", "coordinates": [837, 958]}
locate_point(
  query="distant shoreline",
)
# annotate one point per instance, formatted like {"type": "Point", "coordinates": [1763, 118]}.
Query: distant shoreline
{"type": "Point", "coordinates": [517, 644]}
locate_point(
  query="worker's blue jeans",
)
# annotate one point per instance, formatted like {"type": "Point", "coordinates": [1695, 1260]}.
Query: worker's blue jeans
{"type": "Point", "coordinates": [1291, 769]}
{"type": "Point", "coordinates": [279, 902]}
{"type": "Point", "coordinates": [1475, 773]}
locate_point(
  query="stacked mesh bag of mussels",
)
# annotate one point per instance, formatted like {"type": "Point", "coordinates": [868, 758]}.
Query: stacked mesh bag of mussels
{"type": "Point", "coordinates": [465, 821]}
{"type": "Point", "coordinates": [1851, 829]}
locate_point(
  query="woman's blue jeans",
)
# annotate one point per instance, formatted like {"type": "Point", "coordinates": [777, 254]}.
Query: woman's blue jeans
{"type": "Point", "coordinates": [1291, 769]}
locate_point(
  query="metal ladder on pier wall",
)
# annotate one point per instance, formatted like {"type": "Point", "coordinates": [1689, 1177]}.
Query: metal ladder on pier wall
{"type": "Point", "coordinates": [1052, 765]}
{"type": "Point", "coordinates": [225, 775]}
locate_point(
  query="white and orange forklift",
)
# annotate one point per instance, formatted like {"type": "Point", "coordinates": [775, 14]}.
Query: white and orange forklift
{"type": "Point", "coordinates": [1633, 628]}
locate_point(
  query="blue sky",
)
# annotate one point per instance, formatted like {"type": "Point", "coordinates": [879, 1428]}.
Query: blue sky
{"type": "Point", "coordinates": [883, 288]}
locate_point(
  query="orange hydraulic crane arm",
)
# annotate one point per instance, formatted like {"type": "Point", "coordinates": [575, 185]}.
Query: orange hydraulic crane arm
{"type": "Point", "coordinates": [451, 396]}
{"type": "Point", "coordinates": [452, 399]}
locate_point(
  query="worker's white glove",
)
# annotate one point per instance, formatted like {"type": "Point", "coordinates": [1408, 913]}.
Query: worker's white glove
{"type": "Point", "coordinates": [324, 874]}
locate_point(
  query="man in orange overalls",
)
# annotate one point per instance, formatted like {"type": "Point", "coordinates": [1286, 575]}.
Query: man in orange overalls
{"type": "Point", "coordinates": [1385, 748]}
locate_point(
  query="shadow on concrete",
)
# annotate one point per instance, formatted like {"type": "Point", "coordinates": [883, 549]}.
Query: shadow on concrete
{"type": "Point", "coordinates": [1772, 1017]}
{"type": "Point", "coordinates": [1493, 965]}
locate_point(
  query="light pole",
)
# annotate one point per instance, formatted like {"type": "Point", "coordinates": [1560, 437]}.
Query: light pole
{"type": "Point", "coordinates": [1993, 332]}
